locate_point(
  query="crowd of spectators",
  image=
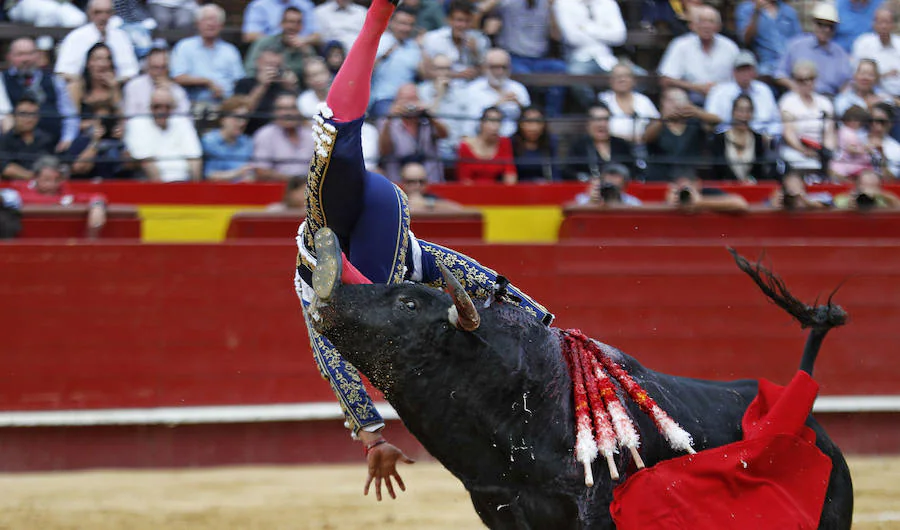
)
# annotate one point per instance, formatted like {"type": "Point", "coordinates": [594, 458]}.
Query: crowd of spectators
{"type": "Point", "coordinates": [761, 100]}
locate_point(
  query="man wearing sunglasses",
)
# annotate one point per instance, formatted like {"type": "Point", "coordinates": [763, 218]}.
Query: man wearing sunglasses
{"type": "Point", "coordinates": [832, 62]}
{"type": "Point", "coordinates": [166, 146]}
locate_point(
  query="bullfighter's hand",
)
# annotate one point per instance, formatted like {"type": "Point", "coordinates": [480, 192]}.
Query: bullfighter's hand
{"type": "Point", "coordinates": [382, 461]}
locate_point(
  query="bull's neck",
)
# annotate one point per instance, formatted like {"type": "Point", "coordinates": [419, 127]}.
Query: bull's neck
{"type": "Point", "coordinates": [487, 428]}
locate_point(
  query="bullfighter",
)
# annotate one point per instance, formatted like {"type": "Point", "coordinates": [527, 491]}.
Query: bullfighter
{"type": "Point", "coordinates": [368, 216]}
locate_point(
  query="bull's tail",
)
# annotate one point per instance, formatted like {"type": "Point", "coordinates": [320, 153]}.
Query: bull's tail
{"type": "Point", "coordinates": [821, 318]}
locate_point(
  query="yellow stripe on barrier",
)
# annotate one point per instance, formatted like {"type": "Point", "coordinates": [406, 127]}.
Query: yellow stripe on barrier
{"type": "Point", "coordinates": [208, 224]}
{"type": "Point", "coordinates": [182, 224]}
{"type": "Point", "coordinates": [521, 224]}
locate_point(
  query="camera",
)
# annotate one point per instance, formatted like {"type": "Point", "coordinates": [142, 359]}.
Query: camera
{"type": "Point", "coordinates": [685, 196]}
{"type": "Point", "coordinates": [610, 192]}
{"type": "Point", "coordinates": [865, 201]}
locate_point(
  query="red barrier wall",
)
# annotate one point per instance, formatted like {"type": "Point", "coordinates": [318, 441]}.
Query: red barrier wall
{"type": "Point", "coordinates": [663, 224]}
{"type": "Point", "coordinates": [121, 325]}
{"type": "Point", "coordinates": [122, 222]}
{"type": "Point", "coordinates": [110, 325]}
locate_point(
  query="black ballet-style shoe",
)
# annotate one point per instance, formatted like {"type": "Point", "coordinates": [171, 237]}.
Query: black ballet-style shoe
{"type": "Point", "coordinates": [327, 274]}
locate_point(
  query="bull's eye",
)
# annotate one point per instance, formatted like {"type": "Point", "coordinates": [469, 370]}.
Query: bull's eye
{"type": "Point", "coordinates": [409, 303]}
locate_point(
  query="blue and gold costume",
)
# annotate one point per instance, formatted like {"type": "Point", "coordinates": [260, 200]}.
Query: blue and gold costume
{"type": "Point", "coordinates": [370, 216]}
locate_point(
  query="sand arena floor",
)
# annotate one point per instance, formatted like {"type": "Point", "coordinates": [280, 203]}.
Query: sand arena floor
{"type": "Point", "coordinates": [301, 498]}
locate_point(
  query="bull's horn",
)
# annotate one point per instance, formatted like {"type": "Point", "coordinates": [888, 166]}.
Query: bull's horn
{"type": "Point", "coordinates": [462, 313]}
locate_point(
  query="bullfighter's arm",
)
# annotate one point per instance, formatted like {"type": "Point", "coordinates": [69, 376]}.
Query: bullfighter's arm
{"type": "Point", "coordinates": [478, 280]}
{"type": "Point", "coordinates": [359, 410]}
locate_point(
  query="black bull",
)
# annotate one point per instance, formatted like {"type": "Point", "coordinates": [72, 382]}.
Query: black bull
{"type": "Point", "coordinates": [494, 405]}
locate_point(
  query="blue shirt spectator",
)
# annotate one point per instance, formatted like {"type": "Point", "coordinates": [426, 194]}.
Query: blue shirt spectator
{"type": "Point", "coordinates": [207, 68]}
{"type": "Point", "coordinates": [221, 156]}
{"type": "Point", "coordinates": [856, 18]}
{"type": "Point", "coordinates": [767, 31]}
{"type": "Point", "coordinates": [831, 60]}
{"type": "Point", "coordinates": [263, 17]}
{"type": "Point", "coordinates": [397, 61]}
{"type": "Point", "coordinates": [227, 150]}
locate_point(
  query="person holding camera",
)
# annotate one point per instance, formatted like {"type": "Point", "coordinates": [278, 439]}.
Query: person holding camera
{"type": "Point", "coordinates": [410, 134]}
{"type": "Point", "coordinates": [679, 137]}
{"type": "Point", "coordinates": [607, 189]}
{"type": "Point", "coordinates": [868, 194]}
{"type": "Point", "coordinates": [687, 193]}
{"type": "Point", "coordinates": [99, 151]}
{"type": "Point", "coordinates": [597, 147]}
{"type": "Point", "coordinates": [792, 195]}
{"type": "Point", "coordinates": [271, 80]}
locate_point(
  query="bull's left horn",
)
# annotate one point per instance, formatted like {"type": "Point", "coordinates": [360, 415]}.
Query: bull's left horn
{"type": "Point", "coordinates": [462, 313]}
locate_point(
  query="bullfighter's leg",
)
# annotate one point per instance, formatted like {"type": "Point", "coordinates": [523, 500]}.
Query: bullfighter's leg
{"type": "Point", "coordinates": [366, 211]}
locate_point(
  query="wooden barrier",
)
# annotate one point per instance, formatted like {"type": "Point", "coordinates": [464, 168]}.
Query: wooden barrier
{"type": "Point", "coordinates": [427, 225]}
{"type": "Point", "coordinates": [666, 224]}
{"type": "Point", "coordinates": [131, 325]}
{"type": "Point", "coordinates": [122, 222]}
{"type": "Point", "coordinates": [118, 325]}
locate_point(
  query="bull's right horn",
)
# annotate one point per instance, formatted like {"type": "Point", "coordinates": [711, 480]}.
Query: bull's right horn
{"type": "Point", "coordinates": [462, 313]}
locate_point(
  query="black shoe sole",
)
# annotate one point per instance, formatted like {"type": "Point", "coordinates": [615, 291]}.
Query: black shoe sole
{"type": "Point", "coordinates": [327, 274]}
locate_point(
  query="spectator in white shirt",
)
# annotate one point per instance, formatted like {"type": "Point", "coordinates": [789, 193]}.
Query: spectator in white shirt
{"type": "Point", "coordinates": [496, 89]}
{"type": "Point", "coordinates": [697, 61]}
{"type": "Point", "coordinates": [463, 45]}
{"type": "Point", "coordinates": [589, 29]}
{"type": "Point", "coordinates": [166, 146]}
{"type": "Point", "coordinates": [340, 20]}
{"type": "Point", "coordinates": [883, 47]}
{"type": "Point", "coordinates": [136, 95]}
{"type": "Point", "coordinates": [629, 111]}
{"type": "Point", "coordinates": [72, 53]}
{"type": "Point", "coordinates": [720, 101]}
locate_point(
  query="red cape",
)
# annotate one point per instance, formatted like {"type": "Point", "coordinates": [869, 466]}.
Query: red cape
{"type": "Point", "coordinates": [775, 477]}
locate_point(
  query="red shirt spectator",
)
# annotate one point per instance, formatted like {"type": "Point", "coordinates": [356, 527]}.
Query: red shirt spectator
{"type": "Point", "coordinates": [49, 186]}
{"type": "Point", "coordinates": [487, 157]}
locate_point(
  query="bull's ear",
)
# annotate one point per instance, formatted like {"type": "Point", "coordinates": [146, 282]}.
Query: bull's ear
{"type": "Point", "coordinates": [462, 313]}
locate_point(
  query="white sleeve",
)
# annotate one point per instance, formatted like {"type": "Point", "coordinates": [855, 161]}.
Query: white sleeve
{"type": "Point", "coordinates": [570, 24]}
{"type": "Point", "coordinates": [191, 147]}
{"type": "Point", "coordinates": [125, 60]}
{"type": "Point", "coordinates": [137, 139]}
{"type": "Point", "coordinates": [5, 104]}
{"type": "Point", "coordinates": [522, 95]}
{"type": "Point", "coordinates": [671, 64]}
{"type": "Point", "coordinates": [384, 44]}
{"type": "Point", "coordinates": [610, 29]}
{"type": "Point", "coordinates": [429, 44]}
{"type": "Point", "coordinates": [70, 57]}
